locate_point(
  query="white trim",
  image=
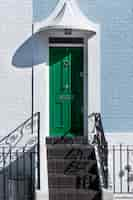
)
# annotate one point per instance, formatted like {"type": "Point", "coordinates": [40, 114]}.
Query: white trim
{"type": "Point", "coordinates": [41, 96]}
{"type": "Point", "coordinates": [66, 45]}
{"type": "Point", "coordinates": [107, 194]}
{"type": "Point", "coordinates": [94, 83]}
{"type": "Point", "coordinates": [114, 138]}
{"type": "Point", "coordinates": [99, 65]}
{"type": "Point", "coordinates": [41, 195]}
{"type": "Point", "coordinates": [43, 170]}
{"type": "Point", "coordinates": [66, 14]}
{"type": "Point", "coordinates": [92, 94]}
{"type": "Point", "coordinates": [123, 196]}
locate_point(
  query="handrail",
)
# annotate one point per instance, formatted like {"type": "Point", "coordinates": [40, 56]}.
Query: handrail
{"type": "Point", "coordinates": [21, 126]}
{"type": "Point", "coordinates": [101, 145]}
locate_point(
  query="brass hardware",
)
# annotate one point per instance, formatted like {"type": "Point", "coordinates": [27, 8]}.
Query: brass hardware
{"type": "Point", "coordinates": [66, 97]}
{"type": "Point", "coordinates": [66, 64]}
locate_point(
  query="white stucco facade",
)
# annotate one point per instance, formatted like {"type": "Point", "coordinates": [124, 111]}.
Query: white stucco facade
{"type": "Point", "coordinates": [25, 45]}
{"type": "Point", "coordinates": [15, 83]}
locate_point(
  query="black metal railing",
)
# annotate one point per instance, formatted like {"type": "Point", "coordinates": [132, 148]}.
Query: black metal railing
{"type": "Point", "coordinates": [18, 177]}
{"type": "Point", "coordinates": [99, 140]}
{"type": "Point", "coordinates": [115, 161]}
{"type": "Point", "coordinates": [20, 161]}
{"type": "Point", "coordinates": [121, 168]}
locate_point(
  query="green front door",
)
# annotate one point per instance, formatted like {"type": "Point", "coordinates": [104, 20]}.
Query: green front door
{"type": "Point", "coordinates": [66, 91]}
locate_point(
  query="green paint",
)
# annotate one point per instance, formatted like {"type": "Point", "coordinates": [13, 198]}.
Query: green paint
{"type": "Point", "coordinates": [66, 91]}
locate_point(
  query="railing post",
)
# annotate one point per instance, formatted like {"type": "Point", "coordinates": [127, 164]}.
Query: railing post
{"type": "Point", "coordinates": [121, 177]}
{"type": "Point", "coordinates": [4, 174]}
{"type": "Point", "coordinates": [128, 185]}
{"type": "Point", "coordinates": [38, 151]}
{"type": "Point", "coordinates": [24, 171]}
{"type": "Point", "coordinates": [113, 168]}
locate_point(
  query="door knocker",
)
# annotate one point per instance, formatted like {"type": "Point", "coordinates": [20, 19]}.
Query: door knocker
{"type": "Point", "coordinates": [66, 64]}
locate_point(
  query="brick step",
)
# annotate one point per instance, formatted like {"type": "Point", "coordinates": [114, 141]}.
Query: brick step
{"type": "Point", "coordinates": [67, 140]}
{"type": "Point", "coordinates": [61, 151]}
{"type": "Point", "coordinates": [60, 181]}
{"type": "Point", "coordinates": [72, 167]}
{"type": "Point", "coordinates": [73, 194]}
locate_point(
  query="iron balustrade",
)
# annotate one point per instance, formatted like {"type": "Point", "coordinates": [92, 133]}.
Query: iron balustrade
{"type": "Point", "coordinates": [18, 177]}
{"type": "Point", "coordinates": [120, 175]}
{"type": "Point", "coordinates": [20, 161]}
{"type": "Point", "coordinates": [115, 161]}
{"type": "Point", "coordinates": [101, 146]}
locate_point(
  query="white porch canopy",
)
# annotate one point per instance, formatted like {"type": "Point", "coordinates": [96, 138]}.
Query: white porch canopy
{"type": "Point", "coordinates": [66, 15]}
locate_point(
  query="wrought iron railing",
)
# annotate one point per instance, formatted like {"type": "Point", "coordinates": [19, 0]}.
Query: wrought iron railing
{"type": "Point", "coordinates": [18, 178]}
{"type": "Point", "coordinates": [120, 176]}
{"type": "Point", "coordinates": [97, 137]}
{"type": "Point", "coordinates": [20, 161]}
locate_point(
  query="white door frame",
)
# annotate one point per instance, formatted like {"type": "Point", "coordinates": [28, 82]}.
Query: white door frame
{"type": "Point", "coordinates": [41, 85]}
{"type": "Point", "coordinates": [91, 70]}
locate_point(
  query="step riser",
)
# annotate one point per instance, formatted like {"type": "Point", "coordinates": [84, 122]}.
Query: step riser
{"type": "Point", "coordinates": [71, 167]}
{"type": "Point", "coordinates": [71, 153]}
{"type": "Point", "coordinates": [74, 196]}
{"type": "Point", "coordinates": [79, 182]}
{"type": "Point", "coordinates": [66, 140]}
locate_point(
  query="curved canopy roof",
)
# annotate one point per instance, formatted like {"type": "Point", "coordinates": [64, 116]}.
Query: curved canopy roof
{"type": "Point", "coordinates": [66, 15]}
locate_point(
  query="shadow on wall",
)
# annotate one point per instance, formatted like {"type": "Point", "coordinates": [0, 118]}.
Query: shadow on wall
{"type": "Point", "coordinates": [30, 52]}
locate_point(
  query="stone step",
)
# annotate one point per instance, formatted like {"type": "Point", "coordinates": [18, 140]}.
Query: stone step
{"type": "Point", "coordinates": [84, 152]}
{"type": "Point", "coordinates": [60, 181]}
{"type": "Point", "coordinates": [73, 194]}
{"type": "Point", "coordinates": [67, 140]}
{"type": "Point", "coordinates": [72, 167]}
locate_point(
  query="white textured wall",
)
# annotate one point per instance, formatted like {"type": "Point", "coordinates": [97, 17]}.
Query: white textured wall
{"type": "Point", "coordinates": [15, 83]}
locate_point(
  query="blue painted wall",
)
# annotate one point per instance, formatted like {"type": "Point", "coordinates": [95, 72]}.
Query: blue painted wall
{"type": "Point", "coordinates": [116, 19]}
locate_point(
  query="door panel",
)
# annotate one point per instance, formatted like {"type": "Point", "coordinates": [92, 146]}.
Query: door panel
{"type": "Point", "coordinates": [66, 91]}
